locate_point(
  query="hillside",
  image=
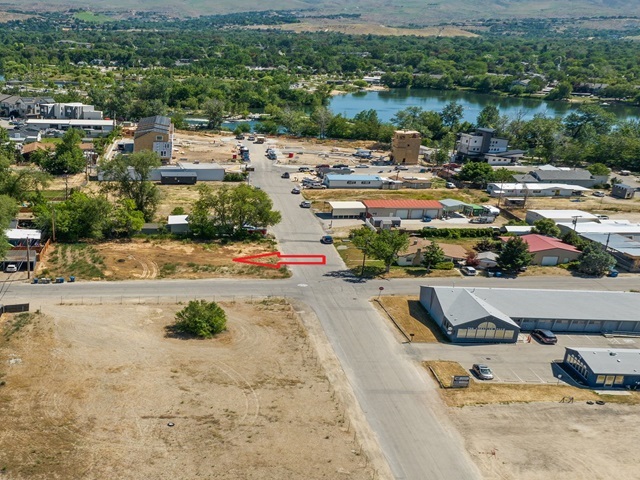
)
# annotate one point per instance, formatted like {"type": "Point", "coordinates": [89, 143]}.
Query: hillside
{"type": "Point", "coordinates": [388, 12]}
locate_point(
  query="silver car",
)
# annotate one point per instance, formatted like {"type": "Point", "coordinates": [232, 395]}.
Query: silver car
{"type": "Point", "coordinates": [482, 371]}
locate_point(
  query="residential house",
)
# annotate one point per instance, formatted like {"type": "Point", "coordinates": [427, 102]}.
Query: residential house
{"type": "Point", "coordinates": [29, 148]}
{"type": "Point", "coordinates": [560, 216]}
{"type": "Point", "coordinates": [155, 134]}
{"type": "Point", "coordinates": [487, 260]}
{"type": "Point", "coordinates": [414, 254]}
{"type": "Point", "coordinates": [574, 176]}
{"type": "Point", "coordinates": [69, 111]}
{"type": "Point", "coordinates": [548, 251]}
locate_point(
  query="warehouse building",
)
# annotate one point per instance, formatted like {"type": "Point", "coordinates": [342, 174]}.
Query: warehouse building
{"type": "Point", "coordinates": [352, 181]}
{"type": "Point", "coordinates": [412, 209]}
{"type": "Point", "coordinates": [604, 367]}
{"type": "Point", "coordinates": [534, 190]}
{"type": "Point", "coordinates": [460, 311]}
{"type": "Point", "coordinates": [347, 209]}
{"type": "Point", "coordinates": [560, 216]}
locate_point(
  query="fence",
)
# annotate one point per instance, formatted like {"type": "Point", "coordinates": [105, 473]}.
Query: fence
{"type": "Point", "coordinates": [17, 308]}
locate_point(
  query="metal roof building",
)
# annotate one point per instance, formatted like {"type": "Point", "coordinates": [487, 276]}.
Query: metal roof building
{"type": "Point", "coordinates": [625, 250]}
{"type": "Point", "coordinates": [604, 367]}
{"type": "Point", "coordinates": [454, 308]}
{"type": "Point", "coordinates": [347, 209]}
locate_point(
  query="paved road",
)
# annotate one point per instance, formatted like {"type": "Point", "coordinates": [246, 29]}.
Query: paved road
{"type": "Point", "coordinates": [400, 402]}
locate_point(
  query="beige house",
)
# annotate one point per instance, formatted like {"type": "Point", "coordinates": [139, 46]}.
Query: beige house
{"type": "Point", "coordinates": [155, 134]}
{"type": "Point", "coordinates": [413, 255]}
{"type": "Point", "coordinates": [405, 147]}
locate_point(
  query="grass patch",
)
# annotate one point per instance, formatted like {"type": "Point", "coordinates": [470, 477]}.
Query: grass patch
{"type": "Point", "coordinates": [484, 393]}
{"type": "Point", "coordinates": [91, 17]}
{"type": "Point", "coordinates": [19, 321]}
{"type": "Point", "coordinates": [167, 269]}
{"type": "Point", "coordinates": [80, 260]}
{"type": "Point", "coordinates": [412, 317]}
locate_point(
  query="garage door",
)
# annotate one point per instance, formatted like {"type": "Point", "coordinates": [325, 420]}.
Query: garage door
{"type": "Point", "coordinates": [416, 214]}
{"type": "Point", "coordinates": [402, 213]}
{"type": "Point", "coordinates": [549, 261]}
{"type": "Point", "coordinates": [431, 213]}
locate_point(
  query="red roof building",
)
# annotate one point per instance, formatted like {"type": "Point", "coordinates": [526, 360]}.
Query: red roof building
{"type": "Point", "coordinates": [548, 251]}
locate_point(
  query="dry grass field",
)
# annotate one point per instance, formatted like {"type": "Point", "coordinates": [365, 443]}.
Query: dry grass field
{"type": "Point", "coordinates": [369, 29]}
{"type": "Point", "coordinates": [411, 317]}
{"type": "Point", "coordinates": [104, 392]}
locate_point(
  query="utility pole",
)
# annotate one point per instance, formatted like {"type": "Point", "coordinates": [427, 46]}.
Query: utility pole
{"type": "Point", "coordinates": [53, 223]}
{"type": "Point", "coordinates": [28, 260]}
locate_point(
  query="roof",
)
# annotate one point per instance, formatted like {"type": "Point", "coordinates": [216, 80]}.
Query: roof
{"type": "Point", "coordinates": [23, 233]}
{"type": "Point", "coordinates": [603, 227]}
{"type": "Point", "coordinates": [537, 186]}
{"type": "Point", "coordinates": [200, 166]}
{"type": "Point", "coordinates": [461, 306]}
{"type": "Point", "coordinates": [553, 214]}
{"type": "Point", "coordinates": [555, 175]}
{"type": "Point", "coordinates": [540, 243]}
{"type": "Point", "coordinates": [158, 124]}
{"type": "Point", "coordinates": [32, 147]}
{"type": "Point", "coordinates": [560, 304]}
{"type": "Point", "coordinates": [359, 178]}
{"type": "Point", "coordinates": [450, 202]}
{"type": "Point", "coordinates": [402, 204]}
{"type": "Point", "coordinates": [70, 122]}
{"type": "Point", "coordinates": [178, 174]}
{"type": "Point", "coordinates": [347, 205]}
{"type": "Point", "coordinates": [517, 228]}
{"type": "Point", "coordinates": [177, 220]}
{"type": "Point", "coordinates": [618, 361]}
{"type": "Point", "coordinates": [614, 241]}
{"type": "Point", "coordinates": [487, 256]}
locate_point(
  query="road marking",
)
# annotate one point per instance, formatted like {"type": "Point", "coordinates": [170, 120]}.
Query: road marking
{"type": "Point", "coordinates": [517, 376]}
{"type": "Point", "coordinates": [303, 285]}
{"type": "Point", "coordinates": [539, 377]}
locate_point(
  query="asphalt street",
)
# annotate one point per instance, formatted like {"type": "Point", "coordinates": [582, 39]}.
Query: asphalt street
{"type": "Point", "coordinates": [399, 400]}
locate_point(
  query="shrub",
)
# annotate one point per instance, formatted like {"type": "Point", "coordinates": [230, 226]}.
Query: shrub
{"type": "Point", "coordinates": [444, 266]}
{"type": "Point", "coordinates": [201, 318]}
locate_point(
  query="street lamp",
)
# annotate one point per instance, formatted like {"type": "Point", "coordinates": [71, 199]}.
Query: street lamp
{"type": "Point", "coordinates": [575, 221]}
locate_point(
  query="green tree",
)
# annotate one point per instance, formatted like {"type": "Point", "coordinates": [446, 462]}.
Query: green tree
{"type": "Point", "coordinates": [588, 121]}
{"type": "Point", "coordinates": [227, 210]}
{"type": "Point", "coordinates": [432, 255]}
{"type": "Point", "coordinates": [201, 318]}
{"type": "Point", "coordinates": [214, 110]}
{"type": "Point", "coordinates": [477, 172]}
{"type": "Point", "coordinates": [322, 116]}
{"type": "Point", "coordinates": [384, 245]}
{"type": "Point", "coordinates": [489, 117]}
{"type": "Point", "coordinates": [598, 169]}
{"type": "Point", "coordinates": [128, 176]}
{"type": "Point", "coordinates": [562, 91]}
{"type": "Point", "coordinates": [125, 219]}
{"type": "Point", "coordinates": [8, 211]}
{"type": "Point", "coordinates": [452, 114]}
{"type": "Point", "coordinates": [515, 255]}
{"type": "Point", "coordinates": [68, 157]}
{"type": "Point", "coordinates": [572, 238]}
{"type": "Point", "coordinates": [546, 226]}
{"type": "Point", "coordinates": [594, 260]}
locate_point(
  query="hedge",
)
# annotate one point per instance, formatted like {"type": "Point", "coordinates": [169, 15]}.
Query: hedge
{"type": "Point", "coordinates": [456, 232]}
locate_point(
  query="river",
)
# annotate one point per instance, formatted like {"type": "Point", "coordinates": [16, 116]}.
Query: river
{"type": "Point", "coordinates": [387, 103]}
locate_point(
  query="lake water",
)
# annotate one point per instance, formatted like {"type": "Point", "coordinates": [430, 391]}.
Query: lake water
{"type": "Point", "coordinates": [388, 103]}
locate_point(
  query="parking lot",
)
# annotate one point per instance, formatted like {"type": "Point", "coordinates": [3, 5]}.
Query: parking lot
{"type": "Point", "coordinates": [522, 362]}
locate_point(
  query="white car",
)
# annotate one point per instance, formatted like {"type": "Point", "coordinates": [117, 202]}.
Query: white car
{"type": "Point", "coordinates": [469, 271]}
{"type": "Point", "coordinates": [11, 268]}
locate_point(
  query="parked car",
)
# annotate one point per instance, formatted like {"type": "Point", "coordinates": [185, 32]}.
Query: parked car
{"type": "Point", "coordinates": [401, 167]}
{"type": "Point", "coordinates": [612, 273]}
{"type": "Point", "coordinates": [598, 194]}
{"type": "Point", "coordinates": [285, 175]}
{"type": "Point", "coordinates": [469, 271]}
{"type": "Point", "coordinates": [316, 186]}
{"type": "Point", "coordinates": [11, 268]}
{"type": "Point", "coordinates": [545, 336]}
{"type": "Point", "coordinates": [251, 138]}
{"type": "Point", "coordinates": [295, 191]}
{"type": "Point", "coordinates": [362, 165]}
{"type": "Point", "coordinates": [340, 165]}
{"type": "Point", "coordinates": [305, 204]}
{"type": "Point", "coordinates": [451, 185]}
{"type": "Point", "coordinates": [482, 371]}
{"type": "Point", "coordinates": [327, 240]}
{"type": "Point", "coordinates": [304, 169]}
{"type": "Point", "coordinates": [603, 217]}
{"type": "Point", "coordinates": [240, 137]}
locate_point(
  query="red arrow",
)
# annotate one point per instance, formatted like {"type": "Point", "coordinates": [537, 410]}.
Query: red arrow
{"type": "Point", "coordinates": [297, 260]}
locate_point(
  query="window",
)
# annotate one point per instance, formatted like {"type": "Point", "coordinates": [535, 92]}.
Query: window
{"type": "Point", "coordinates": [365, 183]}
{"type": "Point", "coordinates": [351, 182]}
{"type": "Point", "coordinates": [619, 380]}
{"type": "Point", "coordinates": [158, 138]}
{"type": "Point", "coordinates": [600, 379]}
{"type": "Point", "coordinates": [462, 333]}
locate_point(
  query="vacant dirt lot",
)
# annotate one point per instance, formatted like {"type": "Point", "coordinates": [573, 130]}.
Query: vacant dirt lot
{"type": "Point", "coordinates": [148, 259]}
{"type": "Point", "coordinates": [549, 441]}
{"type": "Point", "coordinates": [411, 317]}
{"type": "Point", "coordinates": [368, 29]}
{"type": "Point", "coordinates": [91, 391]}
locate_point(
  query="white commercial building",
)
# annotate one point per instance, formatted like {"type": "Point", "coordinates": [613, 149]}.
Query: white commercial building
{"type": "Point", "coordinates": [560, 216]}
{"type": "Point", "coordinates": [91, 128]}
{"type": "Point", "coordinates": [347, 209]}
{"type": "Point", "coordinates": [352, 181]}
{"type": "Point", "coordinates": [534, 190]}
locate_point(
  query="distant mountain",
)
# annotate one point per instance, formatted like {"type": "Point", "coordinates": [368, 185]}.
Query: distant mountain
{"type": "Point", "coordinates": [388, 12]}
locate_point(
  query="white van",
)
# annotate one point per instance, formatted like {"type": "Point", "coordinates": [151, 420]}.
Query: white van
{"type": "Point", "coordinates": [469, 271]}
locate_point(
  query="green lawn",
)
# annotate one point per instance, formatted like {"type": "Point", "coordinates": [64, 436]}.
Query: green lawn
{"type": "Point", "coordinates": [93, 17]}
